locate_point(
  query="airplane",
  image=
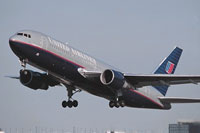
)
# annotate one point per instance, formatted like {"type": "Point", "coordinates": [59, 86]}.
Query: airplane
{"type": "Point", "coordinates": [77, 71]}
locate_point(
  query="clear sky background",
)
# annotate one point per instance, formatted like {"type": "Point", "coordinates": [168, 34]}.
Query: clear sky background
{"type": "Point", "coordinates": [131, 35]}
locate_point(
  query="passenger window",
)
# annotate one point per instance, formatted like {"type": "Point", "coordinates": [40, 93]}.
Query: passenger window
{"type": "Point", "coordinates": [29, 36]}
{"type": "Point", "coordinates": [25, 35]}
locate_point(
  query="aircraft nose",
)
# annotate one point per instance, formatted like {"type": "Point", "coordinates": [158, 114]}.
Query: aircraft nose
{"type": "Point", "coordinates": [13, 44]}
{"type": "Point", "coordinates": [12, 38]}
{"type": "Point", "coordinates": [11, 41]}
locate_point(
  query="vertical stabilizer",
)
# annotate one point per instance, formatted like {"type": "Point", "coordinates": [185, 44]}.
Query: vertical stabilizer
{"type": "Point", "coordinates": [168, 66]}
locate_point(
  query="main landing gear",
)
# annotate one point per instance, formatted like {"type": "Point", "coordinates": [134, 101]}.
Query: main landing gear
{"type": "Point", "coordinates": [117, 103]}
{"type": "Point", "coordinates": [71, 102]}
{"type": "Point", "coordinates": [117, 100]}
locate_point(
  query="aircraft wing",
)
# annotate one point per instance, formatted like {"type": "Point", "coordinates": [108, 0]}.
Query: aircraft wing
{"type": "Point", "coordinates": [12, 77]}
{"type": "Point", "coordinates": [179, 100]}
{"type": "Point", "coordinates": [161, 79]}
{"type": "Point", "coordinates": [148, 80]}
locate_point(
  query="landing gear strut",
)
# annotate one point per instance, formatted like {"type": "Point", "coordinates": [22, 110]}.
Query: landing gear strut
{"type": "Point", "coordinates": [117, 100]}
{"type": "Point", "coordinates": [23, 62]}
{"type": "Point", "coordinates": [71, 102]}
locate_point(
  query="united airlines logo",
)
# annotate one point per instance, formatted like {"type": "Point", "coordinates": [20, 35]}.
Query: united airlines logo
{"type": "Point", "coordinates": [169, 67]}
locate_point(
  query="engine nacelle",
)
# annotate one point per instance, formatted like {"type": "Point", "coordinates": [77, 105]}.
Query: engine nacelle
{"type": "Point", "coordinates": [112, 78]}
{"type": "Point", "coordinates": [33, 80]}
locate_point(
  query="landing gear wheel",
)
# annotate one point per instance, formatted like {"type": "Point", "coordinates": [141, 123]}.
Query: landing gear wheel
{"type": "Point", "coordinates": [75, 103]}
{"type": "Point", "coordinates": [70, 104]}
{"type": "Point", "coordinates": [117, 104]}
{"type": "Point", "coordinates": [111, 104]}
{"type": "Point", "coordinates": [64, 104]}
{"type": "Point", "coordinates": [122, 103]}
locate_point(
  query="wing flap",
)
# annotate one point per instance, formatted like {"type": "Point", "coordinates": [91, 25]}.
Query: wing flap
{"type": "Point", "coordinates": [179, 100]}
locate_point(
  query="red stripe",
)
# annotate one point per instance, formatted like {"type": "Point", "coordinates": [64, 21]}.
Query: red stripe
{"type": "Point", "coordinates": [147, 98]}
{"type": "Point", "coordinates": [49, 52]}
{"type": "Point", "coordinates": [171, 68]}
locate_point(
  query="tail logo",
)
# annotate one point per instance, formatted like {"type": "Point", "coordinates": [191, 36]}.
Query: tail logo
{"type": "Point", "coordinates": [169, 67]}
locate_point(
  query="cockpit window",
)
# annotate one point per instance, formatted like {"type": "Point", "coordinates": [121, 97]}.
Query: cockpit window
{"type": "Point", "coordinates": [24, 34]}
{"type": "Point", "coordinates": [21, 34]}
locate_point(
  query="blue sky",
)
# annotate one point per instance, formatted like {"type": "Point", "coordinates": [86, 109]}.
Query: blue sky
{"type": "Point", "coordinates": [131, 35]}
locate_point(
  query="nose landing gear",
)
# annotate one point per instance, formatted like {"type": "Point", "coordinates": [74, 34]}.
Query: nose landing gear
{"type": "Point", "coordinates": [23, 62]}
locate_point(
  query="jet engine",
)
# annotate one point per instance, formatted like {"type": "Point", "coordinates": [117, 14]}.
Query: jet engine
{"type": "Point", "coordinates": [112, 78]}
{"type": "Point", "coordinates": [33, 80]}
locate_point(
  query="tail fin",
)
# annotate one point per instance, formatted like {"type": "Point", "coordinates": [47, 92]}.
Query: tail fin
{"type": "Point", "coordinates": [168, 66]}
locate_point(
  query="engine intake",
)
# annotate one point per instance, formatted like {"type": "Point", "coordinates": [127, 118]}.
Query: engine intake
{"type": "Point", "coordinates": [112, 78]}
{"type": "Point", "coordinates": [33, 80]}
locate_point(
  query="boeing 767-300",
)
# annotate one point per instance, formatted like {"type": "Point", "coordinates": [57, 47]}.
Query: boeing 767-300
{"type": "Point", "coordinates": [63, 64]}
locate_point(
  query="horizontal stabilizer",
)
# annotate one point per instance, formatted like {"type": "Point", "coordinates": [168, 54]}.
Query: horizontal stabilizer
{"type": "Point", "coordinates": [161, 79]}
{"type": "Point", "coordinates": [179, 100]}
